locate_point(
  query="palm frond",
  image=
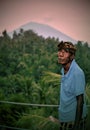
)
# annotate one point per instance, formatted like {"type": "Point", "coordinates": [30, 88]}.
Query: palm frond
{"type": "Point", "coordinates": [38, 122]}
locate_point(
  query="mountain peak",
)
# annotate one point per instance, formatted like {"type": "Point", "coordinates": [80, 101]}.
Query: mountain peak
{"type": "Point", "coordinates": [45, 31]}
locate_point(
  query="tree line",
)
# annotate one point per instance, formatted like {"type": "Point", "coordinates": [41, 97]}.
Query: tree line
{"type": "Point", "coordinates": [29, 72]}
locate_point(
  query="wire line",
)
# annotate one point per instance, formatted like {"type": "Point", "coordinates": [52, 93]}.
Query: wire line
{"type": "Point", "coordinates": [29, 104]}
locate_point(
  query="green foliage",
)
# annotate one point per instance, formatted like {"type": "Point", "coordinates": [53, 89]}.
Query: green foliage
{"type": "Point", "coordinates": [10, 113]}
{"type": "Point", "coordinates": [29, 72]}
{"type": "Point", "coordinates": [50, 86]}
{"type": "Point", "coordinates": [83, 58]}
{"type": "Point", "coordinates": [34, 122]}
{"type": "Point", "coordinates": [51, 78]}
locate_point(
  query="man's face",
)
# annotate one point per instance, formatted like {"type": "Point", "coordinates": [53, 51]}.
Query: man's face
{"type": "Point", "coordinates": [63, 57]}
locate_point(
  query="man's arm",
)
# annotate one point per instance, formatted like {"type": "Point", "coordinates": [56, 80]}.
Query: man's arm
{"type": "Point", "coordinates": [79, 111]}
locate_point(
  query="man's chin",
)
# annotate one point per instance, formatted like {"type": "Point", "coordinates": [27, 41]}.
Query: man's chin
{"type": "Point", "coordinates": [60, 62]}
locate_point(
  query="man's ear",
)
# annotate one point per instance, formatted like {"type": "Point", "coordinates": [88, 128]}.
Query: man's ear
{"type": "Point", "coordinates": [72, 57]}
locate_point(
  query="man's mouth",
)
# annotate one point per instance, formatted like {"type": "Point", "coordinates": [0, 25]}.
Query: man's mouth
{"type": "Point", "coordinates": [60, 60]}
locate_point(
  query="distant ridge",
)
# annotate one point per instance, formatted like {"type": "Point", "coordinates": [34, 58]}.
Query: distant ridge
{"type": "Point", "coordinates": [45, 31]}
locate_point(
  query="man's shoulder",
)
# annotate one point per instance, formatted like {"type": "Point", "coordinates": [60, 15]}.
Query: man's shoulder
{"type": "Point", "coordinates": [77, 68]}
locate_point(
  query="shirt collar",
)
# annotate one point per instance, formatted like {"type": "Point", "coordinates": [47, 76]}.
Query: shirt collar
{"type": "Point", "coordinates": [67, 74]}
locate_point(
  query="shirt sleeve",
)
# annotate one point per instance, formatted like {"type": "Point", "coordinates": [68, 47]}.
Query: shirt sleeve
{"type": "Point", "coordinates": [79, 83]}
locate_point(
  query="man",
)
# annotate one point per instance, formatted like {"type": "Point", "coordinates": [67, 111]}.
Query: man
{"type": "Point", "coordinates": [72, 109]}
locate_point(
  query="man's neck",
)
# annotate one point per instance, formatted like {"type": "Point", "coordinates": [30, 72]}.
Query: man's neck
{"type": "Point", "coordinates": [66, 67]}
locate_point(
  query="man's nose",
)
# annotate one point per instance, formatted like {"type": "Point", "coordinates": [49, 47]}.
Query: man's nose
{"type": "Point", "coordinates": [60, 54]}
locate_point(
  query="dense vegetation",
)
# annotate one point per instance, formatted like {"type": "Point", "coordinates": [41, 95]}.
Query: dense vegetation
{"type": "Point", "coordinates": [29, 73]}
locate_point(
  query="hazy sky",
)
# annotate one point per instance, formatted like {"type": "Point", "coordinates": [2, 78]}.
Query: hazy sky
{"type": "Point", "coordinates": [71, 17]}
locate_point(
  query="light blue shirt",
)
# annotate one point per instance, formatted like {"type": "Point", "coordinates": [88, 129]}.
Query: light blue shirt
{"type": "Point", "coordinates": [72, 85]}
